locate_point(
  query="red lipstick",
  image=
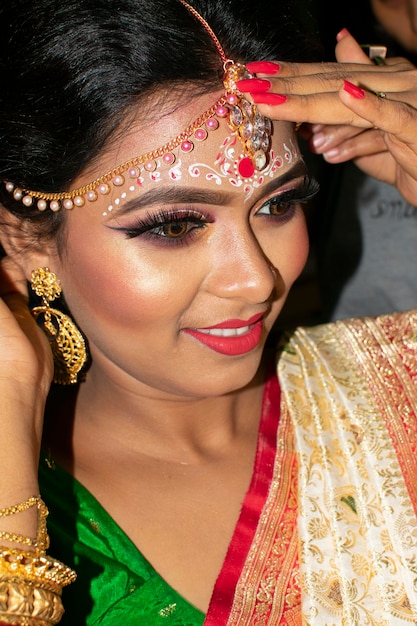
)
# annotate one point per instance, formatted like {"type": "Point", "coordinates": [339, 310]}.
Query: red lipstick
{"type": "Point", "coordinates": [231, 337]}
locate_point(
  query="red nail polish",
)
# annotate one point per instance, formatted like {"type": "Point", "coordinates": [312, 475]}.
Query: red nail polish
{"type": "Point", "coordinates": [264, 67]}
{"type": "Point", "coordinates": [354, 91]}
{"type": "Point", "coordinates": [268, 98]}
{"type": "Point", "coordinates": [342, 34]}
{"type": "Point", "coordinates": [253, 85]}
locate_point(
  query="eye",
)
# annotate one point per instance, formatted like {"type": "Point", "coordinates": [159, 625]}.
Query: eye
{"type": "Point", "coordinates": [284, 205]}
{"type": "Point", "coordinates": [276, 207]}
{"type": "Point", "coordinates": [166, 227]}
{"type": "Point", "coordinates": [173, 230]}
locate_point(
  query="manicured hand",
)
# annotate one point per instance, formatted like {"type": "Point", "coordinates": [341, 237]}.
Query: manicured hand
{"type": "Point", "coordinates": [347, 119]}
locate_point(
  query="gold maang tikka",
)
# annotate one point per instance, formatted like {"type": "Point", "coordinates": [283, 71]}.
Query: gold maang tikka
{"type": "Point", "coordinates": [67, 343]}
{"type": "Point", "coordinates": [251, 127]}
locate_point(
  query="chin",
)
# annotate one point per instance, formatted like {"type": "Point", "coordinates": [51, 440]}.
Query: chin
{"type": "Point", "coordinates": [236, 374]}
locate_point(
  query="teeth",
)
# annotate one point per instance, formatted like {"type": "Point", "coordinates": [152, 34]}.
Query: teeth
{"type": "Point", "coordinates": [225, 332]}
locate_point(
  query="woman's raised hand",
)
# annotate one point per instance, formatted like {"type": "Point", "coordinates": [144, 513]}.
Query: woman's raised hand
{"type": "Point", "coordinates": [26, 370]}
{"type": "Point", "coordinates": [353, 109]}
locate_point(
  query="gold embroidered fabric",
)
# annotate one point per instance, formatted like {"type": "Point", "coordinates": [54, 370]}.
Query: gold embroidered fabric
{"type": "Point", "coordinates": [350, 388]}
{"type": "Point", "coordinates": [268, 590]}
{"type": "Point", "coordinates": [340, 520]}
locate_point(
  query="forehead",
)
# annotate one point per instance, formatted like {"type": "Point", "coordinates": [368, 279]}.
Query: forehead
{"type": "Point", "coordinates": [212, 158]}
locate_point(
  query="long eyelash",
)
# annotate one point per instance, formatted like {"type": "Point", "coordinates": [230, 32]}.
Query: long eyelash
{"type": "Point", "coordinates": [162, 218]}
{"type": "Point", "coordinates": [304, 192]}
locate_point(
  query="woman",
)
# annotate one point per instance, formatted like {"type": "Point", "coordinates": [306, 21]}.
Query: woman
{"type": "Point", "coordinates": [176, 469]}
{"type": "Point", "coordinates": [175, 379]}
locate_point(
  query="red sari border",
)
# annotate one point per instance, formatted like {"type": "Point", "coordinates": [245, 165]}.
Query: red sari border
{"type": "Point", "coordinates": [255, 499]}
{"type": "Point", "coordinates": [387, 347]}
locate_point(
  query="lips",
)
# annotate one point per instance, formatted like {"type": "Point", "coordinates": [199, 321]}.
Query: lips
{"type": "Point", "coordinates": [231, 337]}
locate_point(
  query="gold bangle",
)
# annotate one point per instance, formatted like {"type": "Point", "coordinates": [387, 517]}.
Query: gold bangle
{"type": "Point", "coordinates": [41, 571]}
{"type": "Point", "coordinates": [23, 600]}
{"type": "Point", "coordinates": [5, 620]}
{"type": "Point", "coordinates": [41, 543]}
{"type": "Point", "coordinates": [16, 620]}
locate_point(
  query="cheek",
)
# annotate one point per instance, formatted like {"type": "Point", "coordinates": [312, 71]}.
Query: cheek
{"type": "Point", "coordinates": [115, 283]}
{"type": "Point", "coordinates": [289, 249]}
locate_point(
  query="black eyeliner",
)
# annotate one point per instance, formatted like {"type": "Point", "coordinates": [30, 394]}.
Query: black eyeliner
{"type": "Point", "coordinates": [160, 219]}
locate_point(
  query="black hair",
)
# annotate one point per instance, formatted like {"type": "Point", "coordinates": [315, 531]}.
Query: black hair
{"type": "Point", "coordinates": [71, 70]}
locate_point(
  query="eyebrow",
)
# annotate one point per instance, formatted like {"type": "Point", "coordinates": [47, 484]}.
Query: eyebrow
{"type": "Point", "coordinates": [189, 195]}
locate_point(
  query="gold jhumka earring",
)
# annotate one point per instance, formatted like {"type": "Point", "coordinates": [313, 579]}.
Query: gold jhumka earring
{"type": "Point", "coordinates": [67, 343]}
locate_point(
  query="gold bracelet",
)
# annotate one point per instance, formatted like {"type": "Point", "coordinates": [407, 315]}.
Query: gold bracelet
{"type": "Point", "coordinates": [23, 600]}
{"type": "Point", "coordinates": [19, 508]}
{"type": "Point", "coordinates": [27, 541]}
{"type": "Point", "coordinates": [41, 543]}
{"type": "Point", "coordinates": [41, 571]}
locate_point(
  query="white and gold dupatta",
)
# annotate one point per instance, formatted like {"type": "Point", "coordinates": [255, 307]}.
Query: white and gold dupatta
{"type": "Point", "coordinates": [351, 392]}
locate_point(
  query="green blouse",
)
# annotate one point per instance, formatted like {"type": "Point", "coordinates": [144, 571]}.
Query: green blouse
{"type": "Point", "coordinates": [116, 585]}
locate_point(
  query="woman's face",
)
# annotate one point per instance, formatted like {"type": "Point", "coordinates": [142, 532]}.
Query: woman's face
{"type": "Point", "coordinates": [149, 278]}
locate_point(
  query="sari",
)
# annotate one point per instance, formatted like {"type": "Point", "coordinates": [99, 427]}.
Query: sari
{"type": "Point", "coordinates": [327, 533]}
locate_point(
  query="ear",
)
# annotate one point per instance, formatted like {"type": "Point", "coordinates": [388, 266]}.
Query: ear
{"type": "Point", "coordinates": [23, 245]}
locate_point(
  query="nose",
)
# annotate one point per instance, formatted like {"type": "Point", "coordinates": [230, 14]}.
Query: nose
{"type": "Point", "coordinates": [241, 269]}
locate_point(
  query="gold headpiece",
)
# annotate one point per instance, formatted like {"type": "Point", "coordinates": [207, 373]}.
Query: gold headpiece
{"type": "Point", "coordinates": [253, 130]}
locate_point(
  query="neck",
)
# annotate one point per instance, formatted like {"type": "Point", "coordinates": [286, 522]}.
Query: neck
{"type": "Point", "coordinates": [175, 429]}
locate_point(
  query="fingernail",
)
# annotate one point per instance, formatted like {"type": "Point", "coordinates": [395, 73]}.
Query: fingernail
{"type": "Point", "coordinates": [342, 34]}
{"type": "Point", "coordinates": [264, 67]}
{"type": "Point", "coordinates": [268, 98]}
{"type": "Point", "coordinates": [319, 140]}
{"type": "Point", "coordinates": [253, 85]}
{"type": "Point", "coordinates": [330, 154]}
{"type": "Point", "coordinates": [354, 90]}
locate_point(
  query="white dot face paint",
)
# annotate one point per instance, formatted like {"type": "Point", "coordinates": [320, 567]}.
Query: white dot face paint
{"type": "Point", "coordinates": [222, 170]}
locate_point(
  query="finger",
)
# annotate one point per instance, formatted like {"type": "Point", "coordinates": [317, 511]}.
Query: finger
{"type": "Point", "coordinates": [14, 295]}
{"type": "Point", "coordinates": [12, 279]}
{"type": "Point", "coordinates": [368, 143]}
{"type": "Point", "coordinates": [399, 78]}
{"type": "Point", "coordinates": [381, 166]}
{"type": "Point", "coordinates": [391, 116]}
{"type": "Point", "coordinates": [23, 345]}
{"type": "Point", "coordinates": [349, 51]}
{"type": "Point", "coordinates": [318, 108]}
{"type": "Point", "coordinates": [399, 123]}
{"type": "Point", "coordinates": [328, 137]}
{"type": "Point", "coordinates": [327, 107]}
{"type": "Point", "coordinates": [328, 69]}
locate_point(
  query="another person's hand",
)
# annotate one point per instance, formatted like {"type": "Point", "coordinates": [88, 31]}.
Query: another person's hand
{"type": "Point", "coordinates": [345, 116]}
